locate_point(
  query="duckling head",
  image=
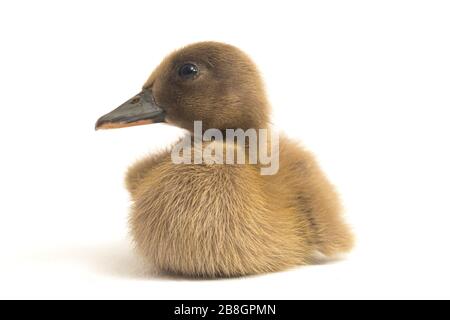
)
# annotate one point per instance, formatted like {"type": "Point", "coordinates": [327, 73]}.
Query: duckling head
{"type": "Point", "coordinates": [211, 82]}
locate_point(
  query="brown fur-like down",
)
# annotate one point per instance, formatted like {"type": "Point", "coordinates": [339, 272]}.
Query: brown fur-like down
{"type": "Point", "coordinates": [228, 220]}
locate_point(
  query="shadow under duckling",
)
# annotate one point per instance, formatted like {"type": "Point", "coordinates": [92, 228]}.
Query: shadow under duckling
{"type": "Point", "coordinates": [223, 220]}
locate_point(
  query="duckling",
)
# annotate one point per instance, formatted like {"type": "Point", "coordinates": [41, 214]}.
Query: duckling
{"type": "Point", "coordinates": [223, 220]}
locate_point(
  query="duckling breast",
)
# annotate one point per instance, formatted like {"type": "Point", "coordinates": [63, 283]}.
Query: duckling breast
{"type": "Point", "coordinates": [214, 220]}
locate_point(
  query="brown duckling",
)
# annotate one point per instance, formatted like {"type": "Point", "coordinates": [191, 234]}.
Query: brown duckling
{"type": "Point", "coordinates": [221, 220]}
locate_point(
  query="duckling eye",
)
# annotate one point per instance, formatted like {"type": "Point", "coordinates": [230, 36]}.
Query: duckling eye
{"type": "Point", "coordinates": [188, 71]}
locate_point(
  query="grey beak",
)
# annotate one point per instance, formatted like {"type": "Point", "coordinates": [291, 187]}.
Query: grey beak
{"type": "Point", "coordinates": [139, 110]}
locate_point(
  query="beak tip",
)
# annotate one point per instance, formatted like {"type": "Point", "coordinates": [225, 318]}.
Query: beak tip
{"type": "Point", "coordinates": [97, 126]}
{"type": "Point", "coordinates": [100, 124]}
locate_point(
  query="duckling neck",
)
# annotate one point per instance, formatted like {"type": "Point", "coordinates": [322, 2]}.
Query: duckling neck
{"type": "Point", "coordinates": [198, 128]}
{"type": "Point", "coordinates": [231, 135]}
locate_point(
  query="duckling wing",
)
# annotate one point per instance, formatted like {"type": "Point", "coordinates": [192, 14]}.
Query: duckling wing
{"type": "Point", "coordinates": [314, 197]}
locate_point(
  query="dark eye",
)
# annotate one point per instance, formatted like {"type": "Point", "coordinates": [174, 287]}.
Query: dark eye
{"type": "Point", "coordinates": [188, 71]}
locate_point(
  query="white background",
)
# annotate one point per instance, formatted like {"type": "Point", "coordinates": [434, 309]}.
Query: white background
{"type": "Point", "coordinates": [365, 85]}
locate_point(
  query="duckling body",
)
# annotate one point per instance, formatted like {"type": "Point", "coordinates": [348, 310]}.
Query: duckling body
{"type": "Point", "coordinates": [218, 220]}
{"type": "Point", "coordinates": [228, 220]}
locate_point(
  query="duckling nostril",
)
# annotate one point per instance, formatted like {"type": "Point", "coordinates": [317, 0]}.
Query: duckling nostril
{"type": "Point", "coordinates": [135, 100]}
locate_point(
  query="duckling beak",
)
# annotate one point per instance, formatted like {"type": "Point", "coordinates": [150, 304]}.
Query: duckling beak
{"type": "Point", "coordinates": [139, 110]}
